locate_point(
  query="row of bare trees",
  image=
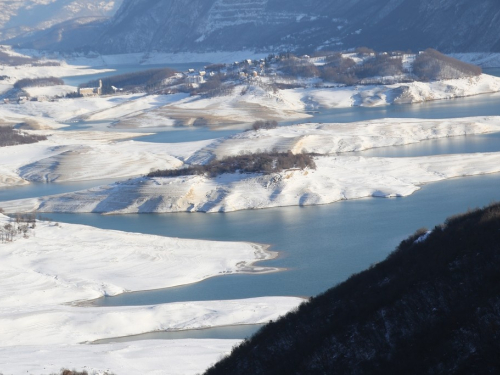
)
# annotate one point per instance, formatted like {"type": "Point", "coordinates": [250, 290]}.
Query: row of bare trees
{"type": "Point", "coordinates": [428, 65]}
{"type": "Point", "coordinates": [260, 124]}
{"type": "Point", "coordinates": [433, 65]}
{"type": "Point", "coordinates": [260, 162]}
{"type": "Point", "coordinates": [38, 82]}
{"type": "Point", "coordinates": [20, 225]}
{"type": "Point", "coordinates": [11, 137]}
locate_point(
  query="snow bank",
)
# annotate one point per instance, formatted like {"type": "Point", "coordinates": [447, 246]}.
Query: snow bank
{"type": "Point", "coordinates": [244, 105]}
{"type": "Point", "coordinates": [134, 107]}
{"type": "Point", "coordinates": [10, 178]}
{"type": "Point", "coordinates": [336, 178]}
{"type": "Point", "coordinates": [117, 160]}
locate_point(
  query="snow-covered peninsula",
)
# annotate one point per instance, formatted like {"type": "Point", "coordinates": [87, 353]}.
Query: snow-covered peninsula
{"type": "Point", "coordinates": [334, 138]}
{"type": "Point", "coordinates": [335, 178]}
{"type": "Point", "coordinates": [64, 263]}
{"type": "Point", "coordinates": [87, 155]}
{"type": "Point", "coordinates": [91, 155]}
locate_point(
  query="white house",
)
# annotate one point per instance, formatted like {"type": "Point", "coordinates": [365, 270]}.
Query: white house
{"type": "Point", "coordinates": [91, 91]}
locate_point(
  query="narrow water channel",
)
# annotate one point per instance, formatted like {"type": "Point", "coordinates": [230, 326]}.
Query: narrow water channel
{"type": "Point", "coordinates": [225, 332]}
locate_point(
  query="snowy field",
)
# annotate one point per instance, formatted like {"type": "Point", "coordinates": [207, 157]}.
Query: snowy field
{"type": "Point", "coordinates": [152, 357]}
{"type": "Point", "coordinates": [83, 155]}
{"type": "Point", "coordinates": [43, 276]}
{"type": "Point", "coordinates": [333, 138]}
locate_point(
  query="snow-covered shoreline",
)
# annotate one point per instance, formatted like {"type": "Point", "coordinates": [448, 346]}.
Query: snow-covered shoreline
{"type": "Point", "coordinates": [69, 325]}
{"type": "Point", "coordinates": [337, 177]}
{"type": "Point", "coordinates": [44, 274]}
{"type": "Point", "coordinates": [87, 155]}
{"type": "Point", "coordinates": [399, 93]}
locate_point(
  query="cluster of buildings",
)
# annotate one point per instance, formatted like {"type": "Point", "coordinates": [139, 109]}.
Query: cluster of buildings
{"type": "Point", "coordinates": [245, 69]}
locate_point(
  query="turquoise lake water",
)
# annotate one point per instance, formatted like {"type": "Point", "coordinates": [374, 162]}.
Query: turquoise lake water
{"type": "Point", "coordinates": [320, 246]}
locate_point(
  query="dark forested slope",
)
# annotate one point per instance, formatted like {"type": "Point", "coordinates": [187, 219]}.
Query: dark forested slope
{"type": "Point", "coordinates": [432, 307]}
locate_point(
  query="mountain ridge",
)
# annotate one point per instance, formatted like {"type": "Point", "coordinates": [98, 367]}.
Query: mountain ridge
{"type": "Point", "coordinates": [298, 26]}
